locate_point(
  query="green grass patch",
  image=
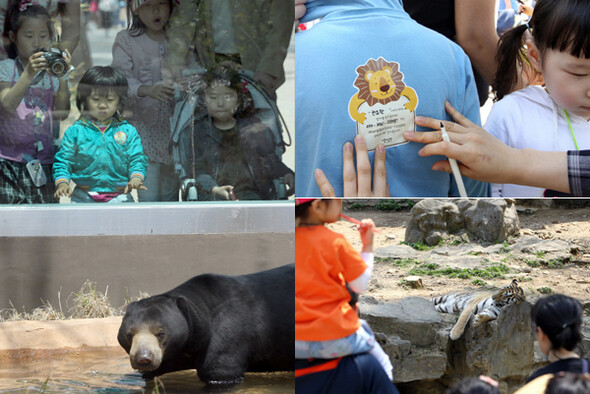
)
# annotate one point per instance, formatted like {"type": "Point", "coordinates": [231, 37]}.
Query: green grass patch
{"type": "Point", "coordinates": [478, 282]}
{"type": "Point", "coordinates": [540, 254]}
{"type": "Point", "coordinates": [545, 290]}
{"type": "Point", "coordinates": [420, 245]}
{"type": "Point", "coordinates": [533, 263]}
{"type": "Point", "coordinates": [505, 247]}
{"type": "Point", "coordinates": [394, 205]}
{"type": "Point", "coordinates": [357, 206]}
{"type": "Point", "coordinates": [403, 263]}
{"type": "Point", "coordinates": [433, 269]}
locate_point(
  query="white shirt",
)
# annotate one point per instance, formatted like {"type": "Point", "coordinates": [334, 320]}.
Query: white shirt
{"type": "Point", "coordinates": [529, 118]}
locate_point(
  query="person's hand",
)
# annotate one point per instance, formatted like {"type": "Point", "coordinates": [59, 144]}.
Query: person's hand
{"type": "Point", "coordinates": [36, 63]}
{"type": "Point", "coordinates": [299, 10]}
{"type": "Point", "coordinates": [162, 91]}
{"type": "Point", "coordinates": [289, 180]}
{"type": "Point", "coordinates": [481, 155]}
{"type": "Point", "coordinates": [65, 54]}
{"type": "Point", "coordinates": [358, 185]}
{"type": "Point", "coordinates": [525, 9]}
{"type": "Point", "coordinates": [366, 232]}
{"type": "Point", "coordinates": [223, 192]}
{"type": "Point", "coordinates": [63, 190]}
{"type": "Point", "coordinates": [134, 183]}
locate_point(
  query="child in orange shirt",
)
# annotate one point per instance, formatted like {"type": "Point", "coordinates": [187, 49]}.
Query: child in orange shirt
{"type": "Point", "coordinates": [326, 326]}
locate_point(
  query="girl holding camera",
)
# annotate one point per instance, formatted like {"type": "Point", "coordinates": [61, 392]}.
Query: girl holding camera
{"type": "Point", "coordinates": [30, 100]}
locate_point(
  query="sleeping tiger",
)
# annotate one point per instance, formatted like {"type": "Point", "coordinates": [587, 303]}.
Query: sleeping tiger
{"type": "Point", "coordinates": [485, 306]}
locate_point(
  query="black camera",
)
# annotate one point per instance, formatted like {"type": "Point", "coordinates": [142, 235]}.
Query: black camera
{"type": "Point", "coordinates": [56, 64]}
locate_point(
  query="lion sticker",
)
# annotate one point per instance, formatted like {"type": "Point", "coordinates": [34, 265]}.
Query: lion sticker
{"type": "Point", "coordinates": [384, 106]}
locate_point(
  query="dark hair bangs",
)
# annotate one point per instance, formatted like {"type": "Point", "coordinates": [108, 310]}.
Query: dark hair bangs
{"type": "Point", "coordinates": [102, 80]}
{"type": "Point", "coordinates": [563, 25]}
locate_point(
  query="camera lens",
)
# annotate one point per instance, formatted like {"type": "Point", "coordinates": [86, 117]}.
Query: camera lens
{"type": "Point", "coordinates": [58, 68]}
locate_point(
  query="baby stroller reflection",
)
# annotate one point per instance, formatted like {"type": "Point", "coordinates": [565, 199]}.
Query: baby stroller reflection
{"type": "Point", "coordinates": [227, 139]}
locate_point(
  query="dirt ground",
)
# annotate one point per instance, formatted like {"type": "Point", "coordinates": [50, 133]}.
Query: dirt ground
{"type": "Point", "coordinates": [567, 224]}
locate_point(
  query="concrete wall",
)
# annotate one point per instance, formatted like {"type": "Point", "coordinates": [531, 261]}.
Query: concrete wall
{"type": "Point", "coordinates": [137, 248]}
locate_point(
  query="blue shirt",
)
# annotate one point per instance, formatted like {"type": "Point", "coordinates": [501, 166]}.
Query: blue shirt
{"type": "Point", "coordinates": [100, 161]}
{"type": "Point", "coordinates": [349, 34]}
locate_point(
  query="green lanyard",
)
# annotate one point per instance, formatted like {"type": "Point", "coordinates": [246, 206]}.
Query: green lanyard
{"type": "Point", "coordinates": [571, 129]}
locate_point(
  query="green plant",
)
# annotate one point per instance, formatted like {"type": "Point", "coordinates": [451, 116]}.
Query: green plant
{"type": "Point", "coordinates": [478, 282]}
{"type": "Point", "coordinates": [417, 245]}
{"type": "Point", "coordinates": [489, 272]}
{"type": "Point", "coordinates": [545, 290]}
{"type": "Point", "coordinates": [541, 253]}
{"type": "Point", "coordinates": [357, 206]}
{"type": "Point", "coordinates": [505, 247]}
{"type": "Point", "coordinates": [554, 263]}
{"type": "Point", "coordinates": [532, 263]}
{"type": "Point", "coordinates": [388, 205]}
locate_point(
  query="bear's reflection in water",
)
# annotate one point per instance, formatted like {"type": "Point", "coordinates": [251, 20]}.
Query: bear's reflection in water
{"type": "Point", "coordinates": [96, 371]}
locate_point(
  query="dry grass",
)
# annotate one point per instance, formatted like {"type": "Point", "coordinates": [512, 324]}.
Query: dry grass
{"type": "Point", "coordinates": [89, 302]}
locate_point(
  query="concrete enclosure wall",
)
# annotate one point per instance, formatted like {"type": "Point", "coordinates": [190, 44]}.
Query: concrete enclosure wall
{"type": "Point", "coordinates": [243, 239]}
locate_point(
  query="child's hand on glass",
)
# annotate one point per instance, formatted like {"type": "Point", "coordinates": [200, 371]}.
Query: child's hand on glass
{"type": "Point", "coordinates": [134, 183]}
{"type": "Point", "coordinates": [63, 190]}
{"type": "Point", "coordinates": [223, 192]}
{"type": "Point", "coordinates": [289, 180]}
{"type": "Point", "coordinates": [162, 91]}
{"type": "Point", "coordinates": [366, 232]}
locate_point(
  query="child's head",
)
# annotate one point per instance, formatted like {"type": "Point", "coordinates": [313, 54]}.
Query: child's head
{"type": "Point", "coordinates": [560, 319]}
{"type": "Point", "coordinates": [224, 94]}
{"type": "Point", "coordinates": [312, 211]}
{"type": "Point", "coordinates": [28, 27]}
{"type": "Point", "coordinates": [568, 383]}
{"type": "Point", "coordinates": [560, 50]}
{"type": "Point", "coordinates": [102, 92]}
{"type": "Point", "coordinates": [150, 15]}
{"type": "Point", "coordinates": [474, 385]}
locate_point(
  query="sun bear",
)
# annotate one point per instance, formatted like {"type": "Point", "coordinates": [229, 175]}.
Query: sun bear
{"type": "Point", "coordinates": [221, 325]}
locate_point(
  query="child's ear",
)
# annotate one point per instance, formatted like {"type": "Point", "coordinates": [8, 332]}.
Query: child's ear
{"type": "Point", "coordinates": [533, 55]}
{"type": "Point", "coordinates": [12, 37]}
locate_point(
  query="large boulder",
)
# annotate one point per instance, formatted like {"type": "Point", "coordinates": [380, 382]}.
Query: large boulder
{"type": "Point", "coordinates": [485, 220]}
{"type": "Point", "coordinates": [426, 360]}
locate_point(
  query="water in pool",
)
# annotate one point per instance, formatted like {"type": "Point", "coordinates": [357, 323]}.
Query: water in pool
{"type": "Point", "coordinates": [109, 371]}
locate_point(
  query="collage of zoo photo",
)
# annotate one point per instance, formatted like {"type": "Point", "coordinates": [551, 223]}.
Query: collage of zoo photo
{"type": "Point", "coordinates": [155, 239]}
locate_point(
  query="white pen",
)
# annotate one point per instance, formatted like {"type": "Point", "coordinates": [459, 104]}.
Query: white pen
{"type": "Point", "coordinates": [454, 166]}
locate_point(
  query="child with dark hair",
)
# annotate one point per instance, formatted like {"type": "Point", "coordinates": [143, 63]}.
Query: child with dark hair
{"type": "Point", "coordinates": [100, 152]}
{"type": "Point", "coordinates": [557, 321]}
{"type": "Point", "coordinates": [568, 383]}
{"type": "Point", "coordinates": [30, 100]}
{"type": "Point", "coordinates": [231, 153]}
{"type": "Point", "coordinates": [479, 385]}
{"type": "Point", "coordinates": [553, 117]}
{"type": "Point", "coordinates": [326, 267]}
{"type": "Point", "coordinates": [140, 51]}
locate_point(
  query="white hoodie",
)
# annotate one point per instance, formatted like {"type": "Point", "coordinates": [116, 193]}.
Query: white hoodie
{"type": "Point", "coordinates": [529, 118]}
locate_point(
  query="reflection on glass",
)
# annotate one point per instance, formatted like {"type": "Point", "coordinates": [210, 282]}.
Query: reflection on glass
{"type": "Point", "coordinates": [164, 50]}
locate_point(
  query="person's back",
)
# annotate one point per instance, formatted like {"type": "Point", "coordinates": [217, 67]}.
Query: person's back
{"type": "Point", "coordinates": [349, 35]}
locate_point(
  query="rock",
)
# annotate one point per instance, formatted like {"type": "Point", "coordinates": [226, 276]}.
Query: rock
{"type": "Point", "coordinates": [414, 282]}
{"type": "Point", "coordinates": [487, 220]}
{"type": "Point", "coordinates": [416, 338]}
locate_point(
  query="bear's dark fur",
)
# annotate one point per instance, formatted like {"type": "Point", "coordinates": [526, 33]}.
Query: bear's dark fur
{"type": "Point", "coordinates": [221, 325]}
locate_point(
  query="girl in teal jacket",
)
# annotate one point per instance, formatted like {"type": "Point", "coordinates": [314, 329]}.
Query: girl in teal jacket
{"type": "Point", "coordinates": [100, 152]}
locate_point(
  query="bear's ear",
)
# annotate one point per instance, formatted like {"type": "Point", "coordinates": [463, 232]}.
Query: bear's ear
{"type": "Point", "coordinates": [388, 70]}
{"type": "Point", "coordinates": [368, 75]}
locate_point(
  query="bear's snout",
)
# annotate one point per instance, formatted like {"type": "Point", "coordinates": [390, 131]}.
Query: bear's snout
{"type": "Point", "coordinates": [145, 353]}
